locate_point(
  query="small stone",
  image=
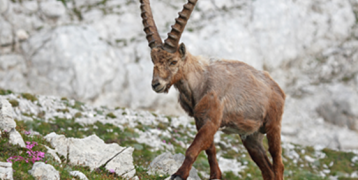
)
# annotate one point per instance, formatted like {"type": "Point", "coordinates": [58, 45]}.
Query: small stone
{"type": "Point", "coordinates": [53, 9]}
{"type": "Point", "coordinates": [22, 35]}
{"type": "Point", "coordinates": [78, 174]}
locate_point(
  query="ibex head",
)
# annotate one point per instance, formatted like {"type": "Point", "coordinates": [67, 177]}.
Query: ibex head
{"type": "Point", "coordinates": [168, 58]}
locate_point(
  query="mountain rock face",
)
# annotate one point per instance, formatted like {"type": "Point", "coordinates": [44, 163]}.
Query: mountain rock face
{"type": "Point", "coordinates": [95, 51]}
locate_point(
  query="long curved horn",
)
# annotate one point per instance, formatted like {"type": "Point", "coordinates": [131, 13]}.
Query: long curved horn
{"type": "Point", "coordinates": [150, 28]}
{"type": "Point", "coordinates": [172, 42]}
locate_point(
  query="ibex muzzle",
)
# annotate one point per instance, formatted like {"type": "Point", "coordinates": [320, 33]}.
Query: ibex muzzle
{"type": "Point", "coordinates": [227, 95]}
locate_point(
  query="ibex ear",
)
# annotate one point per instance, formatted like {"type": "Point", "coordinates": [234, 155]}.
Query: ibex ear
{"type": "Point", "coordinates": [182, 50]}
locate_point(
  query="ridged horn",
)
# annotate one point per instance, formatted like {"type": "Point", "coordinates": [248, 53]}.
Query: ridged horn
{"type": "Point", "coordinates": [172, 42]}
{"type": "Point", "coordinates": [150, 28]}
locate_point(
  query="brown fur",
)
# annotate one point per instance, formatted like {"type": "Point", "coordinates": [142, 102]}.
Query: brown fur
{"type": "Point", "coordinates": [227, 95]}
{"type": "Point", "coordinates": [231, 96]}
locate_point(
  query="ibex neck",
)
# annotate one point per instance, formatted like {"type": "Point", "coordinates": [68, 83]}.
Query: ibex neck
{"type": "Point", "coordinates": [192, 83]}
{"type": "Point", "coordinates": [193, 72]}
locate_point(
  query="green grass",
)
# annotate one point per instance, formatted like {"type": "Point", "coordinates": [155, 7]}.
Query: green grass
{"type": "Point", "coordinates": [29, 96]}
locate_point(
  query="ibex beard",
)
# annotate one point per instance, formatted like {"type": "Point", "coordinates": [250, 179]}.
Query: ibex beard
{"type": "Point", "coordinates": [221, 95]}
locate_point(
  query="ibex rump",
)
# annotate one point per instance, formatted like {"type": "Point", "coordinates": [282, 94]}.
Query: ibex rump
{"type": "Point", "coordinates": [230, 95]}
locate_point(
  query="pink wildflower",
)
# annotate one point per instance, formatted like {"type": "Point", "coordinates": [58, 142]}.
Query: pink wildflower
{"type": "Point", "coordinates": [33, 155]}
{"type": "Point", "coordinates": [111, 171]}
{"type": "Point", "coordinates": [14, 158]}
{"type": "Point", "coordinates": [27, 132]}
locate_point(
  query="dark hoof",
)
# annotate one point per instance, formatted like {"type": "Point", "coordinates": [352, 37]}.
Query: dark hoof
{"type": "Point", "coordinates": [175, 177]}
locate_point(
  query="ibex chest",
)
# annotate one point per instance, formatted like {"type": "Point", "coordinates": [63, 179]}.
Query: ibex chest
{"type": "Point", "coordinates": [187, 103]}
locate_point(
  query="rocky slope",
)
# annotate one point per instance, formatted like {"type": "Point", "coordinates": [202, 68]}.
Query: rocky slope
{"type": "Point", "coordinates": [95, 51]}
{"type": "Point", "coordinates": [83, 141]}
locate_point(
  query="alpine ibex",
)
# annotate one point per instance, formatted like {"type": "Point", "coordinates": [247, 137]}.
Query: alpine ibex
{"type": "Point", "coordinates": [227, 95]}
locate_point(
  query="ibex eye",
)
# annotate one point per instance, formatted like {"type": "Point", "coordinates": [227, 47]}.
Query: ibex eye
{"type": "Point", "coordinates": [173, 63]}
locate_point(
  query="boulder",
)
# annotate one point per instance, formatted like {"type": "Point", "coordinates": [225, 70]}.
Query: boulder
{"type": "Point", "coordinates": [16, 138]}
{"type": "Point", "coordinates": [6, 171]}
{"type": "Point", "coordinates": [168, 164]}
{"type": "Point", "coordinates": [42, 171]}
{"type": "Point", "coordinates": [8, 124]}
{"type": "Point", "coordinates": [94, 153]}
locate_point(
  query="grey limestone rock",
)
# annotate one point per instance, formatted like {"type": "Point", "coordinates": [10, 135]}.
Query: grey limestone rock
{"type": "Point", "coordinates": [4, 5]}
{"type": "Point", "coordinates": [6, 171]}
{"type": "Point", "coordinates": [168, 164]}
{"type": "Point", "coordinates": [93, 152]}
{"type": "Point", "coordinates": [8, 124]}
{"type": "Point", "coordinates": [79, 174]}
{"type": "Point", "coordinates": [42, 171]}
{"type": "Point", "coordinates": [53, 9]}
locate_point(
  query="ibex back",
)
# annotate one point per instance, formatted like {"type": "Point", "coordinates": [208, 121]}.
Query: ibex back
{"type": "Point", "coordinates": [227, 95]}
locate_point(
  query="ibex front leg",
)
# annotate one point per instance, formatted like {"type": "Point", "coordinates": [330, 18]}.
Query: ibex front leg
{"type": "Point", "coordinates": [208, 114]}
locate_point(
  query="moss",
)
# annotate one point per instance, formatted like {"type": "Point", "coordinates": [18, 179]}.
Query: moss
{"type": "Point", "coordinates": [162, 126]}
{"type": "Point", "coordinates": [5, 92]}
{"type": "Point", "coordinates": [111, 115]}
{"type": "Point", "coordinates": [29, 96]}
{"type": "Point", "coordinates": [41, 114]}
{"type": "Point", "coordinates": [14, 102]}
{"type": "Point", "coordinates": [78, 105]}
{"type": "Point", "coordinates": [155, 115]}
{"type": "Point", "coordinates": [64, 99]}
{"type": "Point", "coordinates": [78, 115]}
{"type": "Point", "coordinates": [63, 110]}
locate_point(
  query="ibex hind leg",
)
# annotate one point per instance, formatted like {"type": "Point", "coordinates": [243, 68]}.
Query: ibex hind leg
{"type": "Point", "coordinates": [253, 144]}
{"type": "Point", "coordinates": [215, 172]}
{"type": "Point", "coordinates": [274, 141]}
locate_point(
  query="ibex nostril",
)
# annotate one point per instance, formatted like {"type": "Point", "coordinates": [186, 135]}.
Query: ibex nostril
{"type": "Point", "coordinates": [154, 85]}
